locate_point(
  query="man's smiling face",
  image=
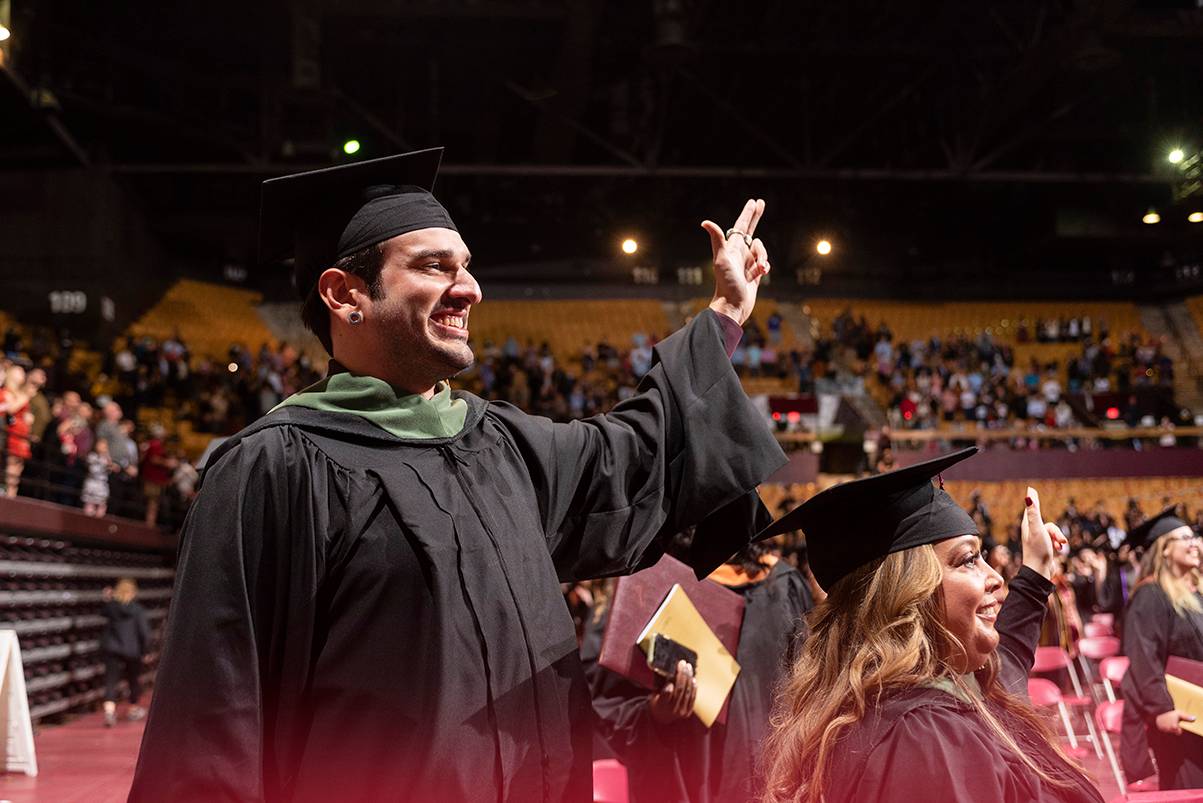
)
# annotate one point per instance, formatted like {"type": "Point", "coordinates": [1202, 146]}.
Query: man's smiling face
{"type": "Point", "coordinates": [426, 296]}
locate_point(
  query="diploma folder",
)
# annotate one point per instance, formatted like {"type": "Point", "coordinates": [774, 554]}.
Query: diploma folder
{"type": "Point", "coordinates": [1184, 679]}
{"type": "Point", "coordinates": [637, 599]}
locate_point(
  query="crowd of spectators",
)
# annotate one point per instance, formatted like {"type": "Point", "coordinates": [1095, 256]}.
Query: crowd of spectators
{"type": "Point", "coordinates": [976, 380]}
{"type": "Point", "coordinates": [62, 448]}
{"type": "Point", "coordinates": [530, 376]}
{"type": "Point", "coordinates": [73, 437]}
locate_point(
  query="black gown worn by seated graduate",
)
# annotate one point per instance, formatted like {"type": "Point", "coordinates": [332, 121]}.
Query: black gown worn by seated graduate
{"type": "Point", "coordinates": [684, 762]}
{"type": "Point", "coordinates": [1153, 631]}
{"type": "Point", "coordinates": [924, 744]}
{"type": "Point", "coordinates": [363, 618]}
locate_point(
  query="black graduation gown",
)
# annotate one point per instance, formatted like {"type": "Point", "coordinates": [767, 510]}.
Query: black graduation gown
{"type": "Point", "coordinates": [1153, 631]}
{"type": "Point", "coordinates": [925, 744]}
{"type": "Point", "coordinates": [363, 618]}
{"type": "Point", "coordinates": [685, 762]}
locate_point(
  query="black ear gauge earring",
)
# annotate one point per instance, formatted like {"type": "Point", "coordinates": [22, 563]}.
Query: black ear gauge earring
{"type": "Point", "coordinates": [355, 317]}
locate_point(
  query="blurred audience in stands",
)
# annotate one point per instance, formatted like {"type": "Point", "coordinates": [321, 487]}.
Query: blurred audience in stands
{"type": "Point", "coordinates": [72, 400]}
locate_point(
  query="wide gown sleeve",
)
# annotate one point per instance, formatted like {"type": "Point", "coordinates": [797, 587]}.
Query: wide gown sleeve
{"type": "Point", "coordinates": [240, 629]}
{"type": "Point", "coordinates": [687, 450]}
{"type": "Point", "coordinates": [1018, 628]}
{"type": "Point", "coordinates": [1147, 645]}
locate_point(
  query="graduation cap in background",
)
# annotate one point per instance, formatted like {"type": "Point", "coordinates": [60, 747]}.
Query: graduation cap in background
{"type": "Point", "coordinates": [321, 216]}
{"type": "Point", "coordinates": [1154, 527]}
{"type": "Point", "coordinates": [857, 522]}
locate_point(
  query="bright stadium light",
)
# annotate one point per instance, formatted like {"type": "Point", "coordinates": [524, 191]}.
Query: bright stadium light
{"type": "Point", "coordinates": [1195, 217]}
{"type": "Point", "coordinates": [351, 147]}
{"type": "Point", "coordinates": [823, 247]}
{"type": "Point", "coordinates": [4, 33]}
{"type": "Point", "coordinates": [1176, 156]}
{"type": "Point", "coordinates": [629, 246]}
{"type": "Point", "coordinates": [1151, 217]}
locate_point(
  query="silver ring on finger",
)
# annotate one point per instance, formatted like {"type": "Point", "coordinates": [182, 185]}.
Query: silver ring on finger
{"type": "Point", "coordinates": [746, 237]}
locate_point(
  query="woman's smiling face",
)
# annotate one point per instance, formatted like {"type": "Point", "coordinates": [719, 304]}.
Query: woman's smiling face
{"type": "Point", "coordinates": [973, 594]}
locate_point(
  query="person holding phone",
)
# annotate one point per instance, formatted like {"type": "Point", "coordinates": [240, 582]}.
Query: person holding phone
{"type": "Point", "coordinates": [671, 757]}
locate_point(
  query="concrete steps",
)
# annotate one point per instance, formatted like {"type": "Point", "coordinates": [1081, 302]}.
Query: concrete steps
{"type": "Point", "coordinates": [1182, 342]}
{"type": "Point", "coordinates": [283, 320]}
{"type": "Point", "coordinates": [793, 317]}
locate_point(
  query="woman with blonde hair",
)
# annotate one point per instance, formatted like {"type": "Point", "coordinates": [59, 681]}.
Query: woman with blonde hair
{"type": "Point", "coordinates": [1164, 618]}
{"type": "Point", "coordinates": [912, 685]}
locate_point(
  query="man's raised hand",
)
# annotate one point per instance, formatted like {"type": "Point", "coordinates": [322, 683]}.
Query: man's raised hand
{"type": "Point", "coordinates": [739, 262]}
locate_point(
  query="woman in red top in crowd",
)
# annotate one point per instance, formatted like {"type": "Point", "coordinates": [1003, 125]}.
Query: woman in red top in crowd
{"type": "Point", "coordinates": [14, 406]}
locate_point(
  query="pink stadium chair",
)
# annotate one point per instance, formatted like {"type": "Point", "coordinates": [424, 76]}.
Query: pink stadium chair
{"type": "Point", "coordinates": [1053, 659]}
{"type": "Point", "coordinates": [609, 781]}
{"type": "Point", "coordinates": [1096, 629]}
{"type": "Point", "coordinates": [1096, 649]}
{"type": "Point", "coordinates": [1045, 694]}
{"type": "Point", "coordinates": [1113, 670]}
{"type": "Point", "coordinates": [1109, 717]}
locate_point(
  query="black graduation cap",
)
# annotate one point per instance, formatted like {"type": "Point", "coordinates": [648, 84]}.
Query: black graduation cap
{"type": "Point", "coordinates": [1153, 528]}
{"type": "Point", "coordinates": [323, 215]}
{"type": "Point", "coordinates": [856, 522]}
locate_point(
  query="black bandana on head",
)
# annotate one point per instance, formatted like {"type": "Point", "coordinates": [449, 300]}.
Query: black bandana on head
{"type": "Point", "coordinates": [389, 211]}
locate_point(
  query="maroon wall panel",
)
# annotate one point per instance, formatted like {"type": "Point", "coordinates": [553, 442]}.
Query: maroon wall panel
{"type": "Point", "coordinates": [1007, 464]}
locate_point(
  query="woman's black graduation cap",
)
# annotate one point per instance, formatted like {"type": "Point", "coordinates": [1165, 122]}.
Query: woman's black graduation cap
{"type": "Point", "coordinates": [1153, 528]}
{"type": "Point", "coordinates": [321, 216]}
{"type": "Point", "coordinates": [856, 522]}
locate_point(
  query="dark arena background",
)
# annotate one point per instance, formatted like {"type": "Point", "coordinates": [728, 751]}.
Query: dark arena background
{"type": "Point", "coordinates": [985, 224]}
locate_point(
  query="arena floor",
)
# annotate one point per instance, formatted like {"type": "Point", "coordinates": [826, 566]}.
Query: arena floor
{"type": "Point", "coordinates": [80, 762]}
{"type": "Point", "coordinates": [85, 762]}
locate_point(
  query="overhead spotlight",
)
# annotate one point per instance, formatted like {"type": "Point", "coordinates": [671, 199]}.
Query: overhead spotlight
{"type": "Point", "coordinates": [232, 367]}
{"type": "Point", "coordinates": [1176, 156]}
{"type": "Point", "coordinates": [823, 247]}
{"type": "Point", "coordinates": [629, 246]}
{"type": "Point", "coordinates": [351, 147]}
{"type": "Point", "coordinates": [1195, 217]}
{"type": "Point", "coordinates": [1151, 216]}
{"type": "Point", "coordinates": [4, 33]}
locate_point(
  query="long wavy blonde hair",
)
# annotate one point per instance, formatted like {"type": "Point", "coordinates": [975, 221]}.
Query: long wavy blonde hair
{"type": "Point", "coordinates": [1180, 590]}
{"type": "Point", "coordinates": [879, 631]}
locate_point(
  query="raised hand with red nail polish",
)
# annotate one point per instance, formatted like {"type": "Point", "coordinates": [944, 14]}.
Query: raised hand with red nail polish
{"type": "Point", "coordinates": [1042, 540]}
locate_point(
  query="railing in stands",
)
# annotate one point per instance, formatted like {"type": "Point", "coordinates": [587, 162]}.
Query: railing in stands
{"type": "Point", "coordinates": [63, 484]}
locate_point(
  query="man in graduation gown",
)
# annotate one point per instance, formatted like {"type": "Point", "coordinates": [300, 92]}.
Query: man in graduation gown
{"type": "Point", "coordinates": [367, 604]}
